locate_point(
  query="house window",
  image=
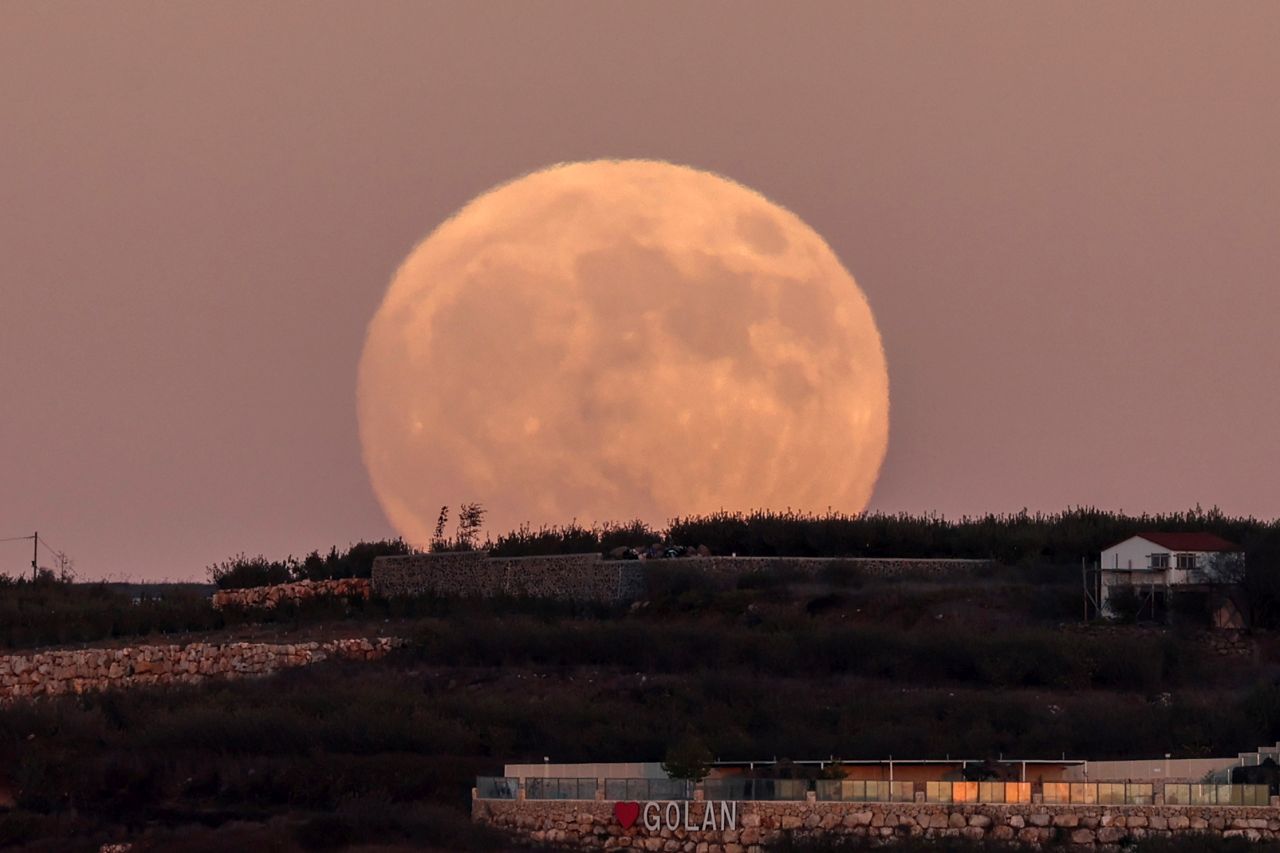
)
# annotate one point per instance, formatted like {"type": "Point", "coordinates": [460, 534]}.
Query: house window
{"type": "Point", "coordinates": [1187, 561]}
{"type": "Point", "coordinates": [1159, 561]}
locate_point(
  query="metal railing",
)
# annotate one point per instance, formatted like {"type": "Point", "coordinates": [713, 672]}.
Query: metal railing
{"type": "Point", "coordinates": [1181, 794]}
{"type": "Point", "coordinates": [560, 789]}
{"type": "Point", "coordinates": [731, 788]}
{"type": "Point", "coordinates": [497, 787]}
{"type": "Point", "coordinates": [647, 789]}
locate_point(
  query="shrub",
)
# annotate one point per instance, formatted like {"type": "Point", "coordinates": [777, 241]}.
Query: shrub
{"type": "Point", "coordinates": [241, 572]}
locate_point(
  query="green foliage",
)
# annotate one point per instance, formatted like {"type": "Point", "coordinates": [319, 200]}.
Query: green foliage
{"type": "Point", "coordinates": [384, 752]}
{"type": "Point", "coordinates": [1058, 538]}
{"type": "Point", "coordinates": [49, 612]}
{"type": "Point", "coordinates": [573, 538]}
{"type": "Point", "coordinates": [355, 562]}
{"type": "Point", "coordinates": [1027, 657]}
{"type": "Point", "coordinates": [241, 572]}
{"type": "Point", "coordinates": [467, 538]}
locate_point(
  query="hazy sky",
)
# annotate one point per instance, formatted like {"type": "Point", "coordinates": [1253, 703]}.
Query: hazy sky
{"type": "Point", "coordinates": [1066, 217]}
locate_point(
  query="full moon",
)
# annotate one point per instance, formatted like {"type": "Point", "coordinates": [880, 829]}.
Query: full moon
{"type": "Point", "coordinates": [611, 340]}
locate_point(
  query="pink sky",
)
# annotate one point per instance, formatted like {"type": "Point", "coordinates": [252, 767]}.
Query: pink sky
{"type": "Point", "coordinates": [1065, 217]}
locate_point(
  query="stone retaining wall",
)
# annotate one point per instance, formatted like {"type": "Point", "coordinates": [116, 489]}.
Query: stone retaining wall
{"type": "Point", "coordinates": [587, 577]}
{"type": "Point", "coordinates": [268, 597]}
{"type": "Point", "coordinates": [593, 824]}
{"type": "Point", "coordinates": [570, 577]}
{"type": "Point", "coordinates": [77, 671]}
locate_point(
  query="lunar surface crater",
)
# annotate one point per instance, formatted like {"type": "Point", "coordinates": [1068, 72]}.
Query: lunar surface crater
{"type": "Point", "coordinates": [612, 340]}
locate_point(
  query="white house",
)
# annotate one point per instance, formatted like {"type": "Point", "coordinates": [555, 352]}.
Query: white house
{"type": "Point", "coordinates": [1152, 563]}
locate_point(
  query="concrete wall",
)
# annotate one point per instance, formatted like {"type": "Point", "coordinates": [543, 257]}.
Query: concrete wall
{"type": "Point", "coordinates": [77, 671]}
{"type": "Point", "coordinates": [1133, 553]}
{"type": "Point", "coordinates": [594, 825]}
{"type": "Point", "coordinates": [1156, 769]}
{"type": "Point", "coordinates": [586, 577]}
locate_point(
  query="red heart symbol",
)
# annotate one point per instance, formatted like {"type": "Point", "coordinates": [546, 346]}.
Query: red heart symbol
{"type": "Point", "coordinates": [626, 813]}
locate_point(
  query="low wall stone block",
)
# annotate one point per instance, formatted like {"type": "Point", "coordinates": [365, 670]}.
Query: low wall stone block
{"type": "Point", "coordinates": [594, 825]}
{"type": "Point", "coordinates": [588, 577]}
{"type": "Point", "coordinates": [52, 673]}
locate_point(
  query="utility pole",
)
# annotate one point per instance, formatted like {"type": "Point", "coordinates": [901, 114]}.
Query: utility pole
{"type": "Point", "coordinates": [35, 554]}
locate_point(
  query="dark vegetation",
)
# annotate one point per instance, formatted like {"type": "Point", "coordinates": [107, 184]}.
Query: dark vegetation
{"type": "Point", "coordinates": [982, 664]}
{"type": "Point", "coordinates": [49, 611]}
{"type": "Point", "coordinates": [240, 571]}
{"type": "Point", "coordinates": [1056, 538]}
{"type": "Point", "coordinates": [386, 752]}
{"type": "Point", "coordinates": [1020, 539]}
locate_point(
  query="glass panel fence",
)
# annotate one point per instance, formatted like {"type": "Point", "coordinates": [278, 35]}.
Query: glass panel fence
{"type": "Point", "coordinates": [648, 789]}
{"type": "Point", "coordinates": [1256, 795]}
{"type": "Point", "coordinates": [1139, 793]}
{"type": "Point", "coordinates": [1084, 793]}
{"type": "Point", "coordinates": [864, 791]}
{"type": "Point", "coordinates": [1111, 793]}
{"type": "Point", "coordinates": [755, 789]}
{"type": "Point", "coordinates": [1056, 793]}
{"type": "Point", "coordinates": [902, 792]}
{"type": "Point", "coordinates": [496, 787]}
{"type": "Point", "coordinates": [560, 789]}
{"type": "Point", "coordinates": [1184, 794]}
{"type": "Point", "coordinates": [978, 792]}
{"type": "Point", "coordinates": [1004, 792]}
{"type": "Point", "coordinates": [1073, 793]}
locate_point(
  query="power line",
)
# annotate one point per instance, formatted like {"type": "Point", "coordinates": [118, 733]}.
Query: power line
{"type": "Point", "coordinates": [59, 555]}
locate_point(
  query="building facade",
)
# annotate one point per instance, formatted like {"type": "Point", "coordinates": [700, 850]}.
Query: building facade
{"type": "Point", "coordinates": [1153, 565]}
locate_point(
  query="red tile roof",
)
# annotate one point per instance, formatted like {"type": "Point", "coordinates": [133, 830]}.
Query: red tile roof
{"type": "Point", "coordinates": [1190, 541]}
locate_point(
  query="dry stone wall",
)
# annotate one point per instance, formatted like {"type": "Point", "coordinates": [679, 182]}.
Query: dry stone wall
{"type": "Point", "coordinates": [268, 597]}
{"type": "Point", "coordinates": [596, 825]}
{"type": "Point", "coordinates": [587, 577]}
{"type": "Point", "coordinates": [572, 577]}
{"type": "Point", "coordinates": [53, 673]}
